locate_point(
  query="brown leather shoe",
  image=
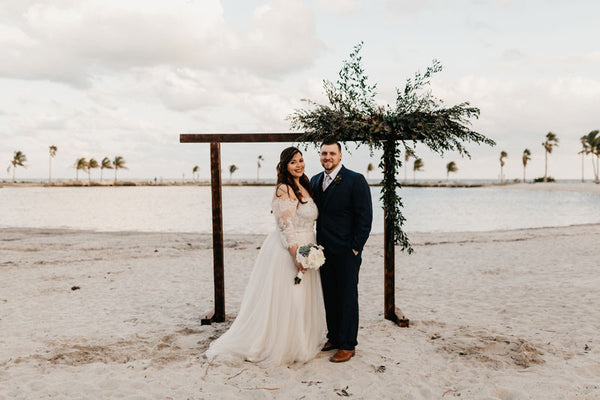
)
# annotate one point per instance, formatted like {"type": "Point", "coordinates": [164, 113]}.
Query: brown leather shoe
{"type": "Point", "coordinates": [342, 355]}
{"type": "Point", "coordinates": [328, 346]}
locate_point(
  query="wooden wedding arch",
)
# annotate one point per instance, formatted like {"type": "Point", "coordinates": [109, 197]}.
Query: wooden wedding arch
{"type": "Point", "coordinates": [391, 312]}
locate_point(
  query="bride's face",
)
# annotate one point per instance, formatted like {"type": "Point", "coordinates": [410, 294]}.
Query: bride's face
{"type": "Point", "coordinates": [296, 166]}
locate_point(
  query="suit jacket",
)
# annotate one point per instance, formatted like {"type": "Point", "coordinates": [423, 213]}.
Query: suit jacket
{"type": "Point", "coordinates": [345, 211]}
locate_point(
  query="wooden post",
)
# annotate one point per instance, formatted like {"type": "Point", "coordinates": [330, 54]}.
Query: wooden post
{"type": "Point", "coordinates": [218, 314]}
{"type": "Point", "coordinates": [391, 312]}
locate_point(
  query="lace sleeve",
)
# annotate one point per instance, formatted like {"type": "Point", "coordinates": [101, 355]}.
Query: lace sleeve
{"type": "Point", "coordinates": [284, 209]}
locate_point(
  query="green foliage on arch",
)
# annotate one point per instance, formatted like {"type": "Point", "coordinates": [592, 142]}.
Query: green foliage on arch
{"type": "Point", "coordinates": [353, 115]}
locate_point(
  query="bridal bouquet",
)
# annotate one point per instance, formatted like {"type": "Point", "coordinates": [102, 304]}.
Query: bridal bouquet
{"type": "Point", "coordinates": [311, 257]}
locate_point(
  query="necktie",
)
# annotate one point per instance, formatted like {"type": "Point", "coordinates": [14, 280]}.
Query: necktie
{"type": "Point", "coordinates": [326, 181]}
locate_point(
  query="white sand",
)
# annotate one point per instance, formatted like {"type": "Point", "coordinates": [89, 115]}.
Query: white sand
{"type": "Point", "coordinates": [494, 315]}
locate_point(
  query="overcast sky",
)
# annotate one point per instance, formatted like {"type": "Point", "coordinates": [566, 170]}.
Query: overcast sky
{"type": "Point", "coordinates": [103, 78]}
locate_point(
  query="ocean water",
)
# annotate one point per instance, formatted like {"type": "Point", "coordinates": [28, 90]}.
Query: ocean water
{"type": "Point", "coordinates": [246, 209]}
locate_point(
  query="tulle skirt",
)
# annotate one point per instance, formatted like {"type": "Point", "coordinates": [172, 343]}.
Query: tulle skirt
{"type": "Point", "coordinates": [279, 323]}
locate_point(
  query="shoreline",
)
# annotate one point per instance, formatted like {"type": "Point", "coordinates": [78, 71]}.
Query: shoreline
{"type": "Point", "coordinates": [498, 314]}
{"type": "Point", "coordinates": [587, 187]}
{"type": "Point", "coordinates": [233, 235]}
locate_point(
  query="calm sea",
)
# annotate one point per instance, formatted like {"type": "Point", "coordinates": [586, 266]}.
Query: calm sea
{"type": "Point", "coordinates": [247, 209]}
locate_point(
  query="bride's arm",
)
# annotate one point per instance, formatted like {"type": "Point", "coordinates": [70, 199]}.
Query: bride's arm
{"type": "Point", "coordinates": [284, 208]}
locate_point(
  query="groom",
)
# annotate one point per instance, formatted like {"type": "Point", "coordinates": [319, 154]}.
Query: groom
{"type": "Point", "coordinates": [343, 198]}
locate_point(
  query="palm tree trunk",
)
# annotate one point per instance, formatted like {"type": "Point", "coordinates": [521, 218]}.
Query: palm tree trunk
{"type": "Point", "coordinates": [14, 168]}
{"type": "Point", "coordinates": [524, 169]}
{"type": "Point", "coordinates": [115, 174]}
{"type": "Point", "coordinates": [49, 170]}
{"type": "Point", "coordinates": [546, 166]}
{"type": "Point", "coordinates": [582, 169]}
{"type": "Point", "coordinates": [101, 170]}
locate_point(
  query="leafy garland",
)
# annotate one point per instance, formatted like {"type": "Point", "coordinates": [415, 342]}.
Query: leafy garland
{"type": "Point", "coordinates": [353, 116]}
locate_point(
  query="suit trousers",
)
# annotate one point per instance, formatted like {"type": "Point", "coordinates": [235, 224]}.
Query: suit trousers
{"type": "Point", "coordinates": [339, 278]}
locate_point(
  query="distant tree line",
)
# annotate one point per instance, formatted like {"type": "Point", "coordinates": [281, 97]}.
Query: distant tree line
{"type": "Point", "coordinates": [81, 164]}
{"type": "Point", "coordinates": [590, 146]}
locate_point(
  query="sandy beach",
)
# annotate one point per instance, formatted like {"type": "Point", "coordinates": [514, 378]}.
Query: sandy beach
{"type": "Point", "coordinates": [494, 315]}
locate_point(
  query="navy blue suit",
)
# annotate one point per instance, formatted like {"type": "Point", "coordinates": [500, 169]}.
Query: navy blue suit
{"type": "Point", "coordinates": [343, 225]}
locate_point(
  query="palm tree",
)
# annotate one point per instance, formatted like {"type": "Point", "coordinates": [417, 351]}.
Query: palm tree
{"type": "Point", "coordinates": [118, 163]}
{"type": "Point", "coordinates": [409, 153]}
{"type": "Point", "coordinates": [53, 149]}
{"type": "Point", "coordinates": [551, 141]}
{"type": "Point", "coordinates": [585, 149]}
{"type": "Point", "coordinates": [91, 165]}
{"type": "Point", "coordinates": [450, 167]}
{"type": "Point", "coordinates": [106, 163]}
{"type": "Point", "coordinates": [596, 146]}
{"type": "Point", "coordinates": [370, 168]}
{"type": "Point", "coordinates": [258, 166]}
{"type": "Point", "coordinates": [503, 155]}
{"type": "Point", "coordinates": [195, 171]}
{"type": "Point", "coordinates": [593, 147]}
{"type": "Point", "coordinates": [526, 157]}
{"type": "Point", "coordinates": [80, 164]}
{"type": "Point", "coordinates": [232, 169]}
{"type": "Point", "coordinates": [19, 159]}
{"type": "Point", "coordinates": [417, 166]}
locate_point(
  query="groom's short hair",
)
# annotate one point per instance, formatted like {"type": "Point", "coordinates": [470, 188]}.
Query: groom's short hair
{"type": "Point", "coordinates": [327, 140]}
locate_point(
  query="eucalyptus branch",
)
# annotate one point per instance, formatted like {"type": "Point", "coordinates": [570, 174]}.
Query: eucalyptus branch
{"type": "Point", "coordinates": [353, 116]}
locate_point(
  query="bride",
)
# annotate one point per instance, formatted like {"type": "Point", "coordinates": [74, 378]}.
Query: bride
{"type": "Point", "coordinates": [279, 322]}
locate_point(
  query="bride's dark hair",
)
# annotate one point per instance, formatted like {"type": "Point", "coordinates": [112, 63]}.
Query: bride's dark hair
{"type": "Point", "coordinates": [285, 178]}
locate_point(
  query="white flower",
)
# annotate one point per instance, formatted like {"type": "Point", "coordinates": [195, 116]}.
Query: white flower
{"type": "Point", "coordinates": [311, 256]}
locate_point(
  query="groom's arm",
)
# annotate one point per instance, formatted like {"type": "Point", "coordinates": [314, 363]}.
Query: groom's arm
{"type": "Point", "coordinates": [362, 210]}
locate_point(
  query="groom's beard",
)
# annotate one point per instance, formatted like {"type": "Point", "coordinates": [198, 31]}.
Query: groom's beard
{"type": "Point", "coordinates": [333, 166]}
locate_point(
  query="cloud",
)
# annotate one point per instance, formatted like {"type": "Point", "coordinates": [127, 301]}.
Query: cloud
{"type": "Point", "coordinates": [339, 8]}
{"type": "Point", "coordinates": [77, 42]}
{"type": "Point", "coordinates": [14, 37]}
{"type": "Point", "coordinates": [479, 25]}
{"type": "Point", "coordinates": [506, 3]}
{"type": "Point", "coordinates": [517, 114]}
{"type": "Point", "coordinates": [405, 8]}
{"type": "Point", "coordinates": [512, 55]}
{"type": "Point", "coordinates": [281, 38]}
{"type": "Point", "coordinates": [184, 89]}
{"type": "Point", "coordinates": [592, 56]}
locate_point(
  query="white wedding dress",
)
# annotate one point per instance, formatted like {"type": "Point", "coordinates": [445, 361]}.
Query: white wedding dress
{"type": "Point", "coordinates": [279, 322]}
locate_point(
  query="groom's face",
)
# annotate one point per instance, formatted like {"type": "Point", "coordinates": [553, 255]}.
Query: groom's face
{"type": "Point", "coordinates": [331, 157]}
